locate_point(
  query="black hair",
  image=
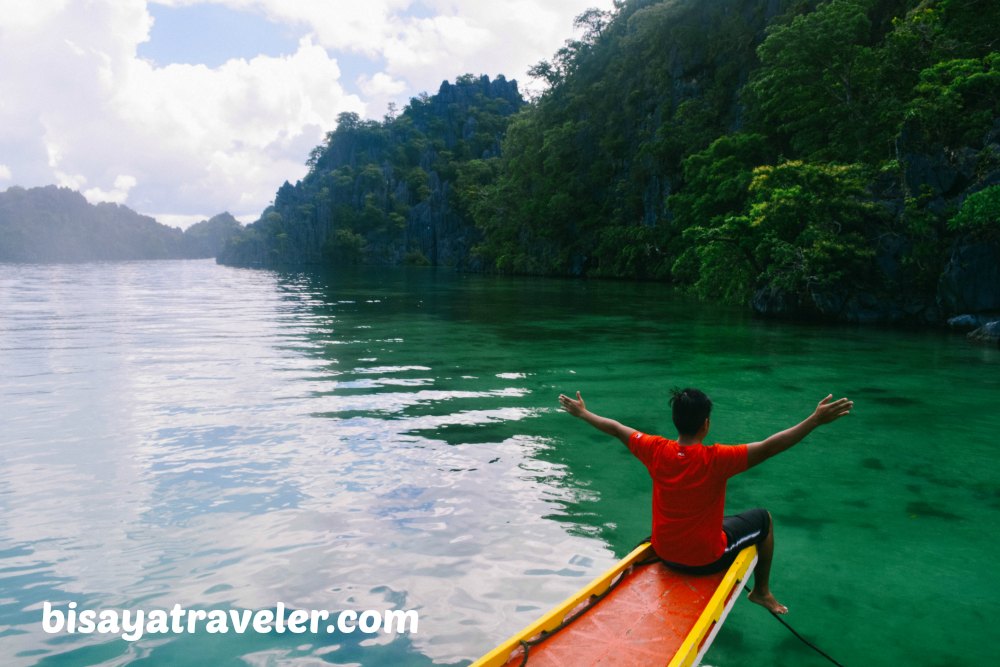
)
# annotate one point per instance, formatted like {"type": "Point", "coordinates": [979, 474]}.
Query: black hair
{"type": "Point", "coordinates": [691, 407]}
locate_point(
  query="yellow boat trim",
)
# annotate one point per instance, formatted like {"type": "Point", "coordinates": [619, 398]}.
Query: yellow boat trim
{"type": "Point", "coordinates": [694, 646]}
{"type": "Point", "coordinates": [691, 650]}
{"type": "Point", "coordinates": [501, 654]}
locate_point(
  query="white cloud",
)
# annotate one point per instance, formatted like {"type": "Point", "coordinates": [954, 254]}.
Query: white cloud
{"type": "Point", "coordinates": [117, 195]}
{"type": "Point", "coordinates": [424, 48]}
{"type": "Point", "coordinates": [461, 36]}
{"type": "Point", "coordinates": [380, 84]}
{"type": "Point", "coordinates": [19, 15]}
{"type": "Point", "coordinates": [381, 90]}
{"type": "Point", "coordinates": [80, 109]}
{"type": "Point", "coordinates": [83, 111]}
{"type": "Point", "coordinates": [243, 127]}
{"type": "Point", "coordinates": [356, 26]}
{"type": "Point", "coordinates": [521, 33]}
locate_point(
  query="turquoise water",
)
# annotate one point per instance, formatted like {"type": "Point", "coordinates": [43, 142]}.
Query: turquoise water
{"type": "Point", "coordinates": [184, 433]}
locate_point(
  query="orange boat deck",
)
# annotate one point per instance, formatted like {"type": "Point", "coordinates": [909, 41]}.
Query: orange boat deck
{"type": "Point", "coordinates": [654, 616]}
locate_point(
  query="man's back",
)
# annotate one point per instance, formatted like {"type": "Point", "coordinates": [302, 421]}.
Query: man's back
{"type": "Point", "coordinates": [689, 495]}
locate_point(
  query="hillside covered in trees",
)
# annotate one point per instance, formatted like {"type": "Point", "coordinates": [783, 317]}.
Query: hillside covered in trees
{"type": "Point", "coordinates": [53, 224]}
{"type": "Point", "coordinates": [835, 159]}
{"type": "Point", "coordinates": [388, 192]}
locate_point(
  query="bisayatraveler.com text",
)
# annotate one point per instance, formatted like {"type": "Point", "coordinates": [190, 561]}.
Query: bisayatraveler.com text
{"type": "Point", "coordinates": [132, 625]}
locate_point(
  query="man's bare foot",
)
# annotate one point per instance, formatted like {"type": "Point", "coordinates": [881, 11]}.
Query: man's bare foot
{"type": "Point", "coordinates": [767, 601]}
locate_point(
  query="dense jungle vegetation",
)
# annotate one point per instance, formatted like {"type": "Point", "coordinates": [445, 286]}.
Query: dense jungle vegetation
{"type": "Point", "coordinates": [837, 158]}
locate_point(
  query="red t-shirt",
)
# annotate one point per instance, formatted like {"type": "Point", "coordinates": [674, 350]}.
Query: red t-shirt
{"type": "Point", "coordinates": [689, 495]}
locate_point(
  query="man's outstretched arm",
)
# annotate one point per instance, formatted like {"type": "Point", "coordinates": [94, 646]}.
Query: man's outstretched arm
{"type": "Point", "coordinates": [578, 408]}
{"type": "Point", "coordinates": [825, 412]}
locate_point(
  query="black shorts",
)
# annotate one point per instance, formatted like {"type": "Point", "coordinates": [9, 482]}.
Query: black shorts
{"type": "Point", "coordinates": [742, 530]}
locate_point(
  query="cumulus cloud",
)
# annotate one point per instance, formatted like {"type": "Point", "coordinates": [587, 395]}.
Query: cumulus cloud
{"type": "Point", "coordinates": [83, 111]}
{"type": "Point", "coordinates": [381, 90]}
{"type": "Point", "coordinates": [381, 84]}
{"type": "Point", "coordinates": [473, 37]}
{"type": "Point", "coordinates": [246, 125]}
{"type": "Point", "coordinates": [117, 195]}
{"type": "Point", "coordinates": [423, 43]}
{"type": "Point", "coordinates": [79, 108]}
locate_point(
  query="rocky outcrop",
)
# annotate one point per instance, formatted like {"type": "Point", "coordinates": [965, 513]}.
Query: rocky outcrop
{"type": "Point", "coordinates": [968, 322]}
{"type": "Point", "coordinates": [970, 282]}
{"type": "Point", "coordinates": [988, 333]}
{"type": "Point", "coordinates": [860, 307]}
{"type": "Point", "coordinates": [383, 193]}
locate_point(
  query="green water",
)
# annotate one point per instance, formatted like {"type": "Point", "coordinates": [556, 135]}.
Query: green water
{"type": "Point", "coordinates": [179, 432]}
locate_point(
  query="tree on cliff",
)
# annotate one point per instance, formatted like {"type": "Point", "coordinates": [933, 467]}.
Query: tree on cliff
{"type": "Point", "coordinates": [384, 192]}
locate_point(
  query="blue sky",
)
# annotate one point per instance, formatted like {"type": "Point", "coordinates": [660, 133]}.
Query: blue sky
{"type": "Point", "coordinates": [211, 34]}
{"type": "Point", "coordinates": [181, 109]}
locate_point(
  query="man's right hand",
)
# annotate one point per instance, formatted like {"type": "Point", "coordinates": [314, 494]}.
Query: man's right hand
{"type": "Point", "coordinates": [826, 412]}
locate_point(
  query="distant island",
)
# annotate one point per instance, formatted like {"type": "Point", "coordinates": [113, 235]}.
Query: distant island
{"type": "Point", "coordinates": [53, 224]}
{"type": "Point", "coordinates": [834, 160]}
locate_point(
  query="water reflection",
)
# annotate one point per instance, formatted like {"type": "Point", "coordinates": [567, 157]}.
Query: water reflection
{"type": "Point", "coordinates": [178, 432]}
{"type": "Point", "coordinates": [182, 433]}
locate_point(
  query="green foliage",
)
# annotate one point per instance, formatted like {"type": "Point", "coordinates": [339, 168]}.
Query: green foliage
{"type": "Point", "coordinates": [374, 186]}
{"type": "Point", "coordinates": [720, 260]}
{"type": "Point", "coordinates": [344, 247]}
{"type": "Point", "coordinates": [969, 28]}
{"type": "Point", "coordinates": [630, 252]}
{"type": "Point", "coordinates": [836, 83]}
{"type": "Point", "coordinates": [957, 100]}
{"type": "Point", "coordinates": [416, 258]}
{"type": "Point", "coordinates": [819, 87]}
{"type": "Point", "coordinates": [714, 257]}
{"type": "Point", "coordinates": [585, 172]}
{"type": "Point", "coordinates": [805, 230]}
{"type": "Point", "coordinates": [923, 232]}
{"type": "Point", "coordinates": [516, 223]}
{"type": "Point", "coordinates": [979, 214]}
{"type": "Point", "coordinates": [811, 220]}
{"type": "Point", "coordinates": [716, 179]}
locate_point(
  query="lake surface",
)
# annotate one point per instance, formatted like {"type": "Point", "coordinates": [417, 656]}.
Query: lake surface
{"type": "Point", "coordinates": [185, 433]}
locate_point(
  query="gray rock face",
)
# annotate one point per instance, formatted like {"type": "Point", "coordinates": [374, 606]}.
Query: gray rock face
{"type": "Point", "coordinates": [988, 333]}
{"type": "Point", "coordinates": [968, 322]}
{"type": "Point", "coordinates": [970, 282]}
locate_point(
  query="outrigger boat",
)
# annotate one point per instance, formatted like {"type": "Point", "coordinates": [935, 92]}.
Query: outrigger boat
{"type": "Point", "coordinates": [637, 613]}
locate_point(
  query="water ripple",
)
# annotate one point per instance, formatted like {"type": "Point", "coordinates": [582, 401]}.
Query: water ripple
{"type": "Point", "coordinates": [179, 432]}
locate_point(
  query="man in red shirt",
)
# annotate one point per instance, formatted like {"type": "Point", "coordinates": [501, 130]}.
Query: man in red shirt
{"type": "Point", "coordinates": [689, 486]}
